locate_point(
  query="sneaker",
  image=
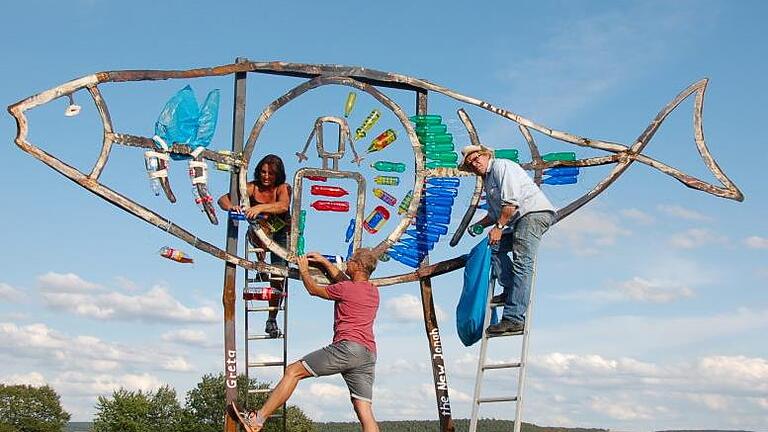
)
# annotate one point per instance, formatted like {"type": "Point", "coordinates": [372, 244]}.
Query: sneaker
{"type": "Point", "coordinates": [271, 329]}
{"type": "Point", "coordinates": [248, 420]}
{"type": "Point", "coordinates": [499, 298]}
{"type": "Point", "coordinates": [506, 326]}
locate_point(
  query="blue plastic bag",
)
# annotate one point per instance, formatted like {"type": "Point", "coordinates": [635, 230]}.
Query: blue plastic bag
{"type": "Point", "coordinates": [470, 312]}
{"type": "Point", "coordinates": [182, 122]}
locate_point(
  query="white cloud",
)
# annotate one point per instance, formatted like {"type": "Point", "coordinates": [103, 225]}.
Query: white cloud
{"type": "Point", "coordinates": [65, 282]}
{"type": "Point", "coordinates": [682, 212]}
{"type": "Point", "coordinates": [328, 391]}
{"type": "Point", "coordinates": [590, 365]}
{"type": "Point", "coordinates": [587, 232]}
{"type": "Point", "coordinates": [756, 242]}
{"type": "Point", "coordinates": [35, 379]}
{"type": "Point", "coordinates": [714, 402]}
{"type": "Point", "coordinates": [188, 337]}
{"type": "Point", "coordinates": [736, 372]}
{"type": "Point", "coordinates": [620, 410]}
{"type": "Point", "coordinates": [604, 333]}
{"type": "Point", "coordinates": [125, 283]}
{"type": "Point", "coordinates": [154, 305]}
{"type": "Point", "coordinates": [653, 291]}
{"type": "Point", "coordinates": [57, 350]}
{"type": "Point", "coordinates": [9, 293]}
{"type": "Point", "coordinates": [74, 383]}
{"type": "Point", "coordinates": [637, 289]}
{"type": "Point", "coordinates": [408, 307]}
{"type": "Point", "coordinates": [667, 279]}
{"type": "Point", "coordinates": [697, 237]}
{"type": "Point", "coordinates": [638, 216]}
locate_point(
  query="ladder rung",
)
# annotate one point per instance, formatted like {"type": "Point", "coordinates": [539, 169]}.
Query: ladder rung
{"type": "Point", "coordinates": [252, 249]}
{"type": "Point", "coordinates": [497, 399]}
{"type": "Point", "coordinates": [259, 391]}
{"type": "Point", "coordinates": [264, 336]}
{"type": "Point", "coordinates": [257, 279]}
{"type": "Point", "coordinates": [502, 366]}
{"type": "Point", "coordinates": [495, 335]}
{"type": "Point", "coordinates": [265, 308]}
{"type": "Point", "coordinates": [265, 364]}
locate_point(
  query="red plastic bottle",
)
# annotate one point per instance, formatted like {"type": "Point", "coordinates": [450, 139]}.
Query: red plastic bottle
{"type": "Point", "coordinates": [331, 191]}
{"type": "Point", "coordinates": [266, 294]}
{"type": "Point", "coordinates": [336, 206]}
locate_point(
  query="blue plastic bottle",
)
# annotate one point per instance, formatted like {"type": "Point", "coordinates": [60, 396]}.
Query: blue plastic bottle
{"type": "Point", "coordinates": [562, 172]}
{"type": "Point", "coordinates": [418, 244]}
{"type": "Point", "coordinates": [410, 262]}
{"type": "Point", "coordinates": [236, 216]}
{"type": "Point", "coordinates": [410, 252]}
{"type": "Point", "coordinates": [435, 209]}
{"type": "Point", "coordinates": [433, 218]}
{"type": "Point", "coordinates": [443, 201]}
{"type": "Point", "coordinates": [336, 259]}
{"type": "Point", "coordinates": [350, 231]}
{"type": "Point", "coordinates": [444, 181]}
{"type": "Point", "coordinates": [424, 236]}
{"type": "Point", "coordinates": [442, 191]}
{"type": "Point", "coordinates": [432, 228]}
{"type": "Point", "coordinates": [559, 180]}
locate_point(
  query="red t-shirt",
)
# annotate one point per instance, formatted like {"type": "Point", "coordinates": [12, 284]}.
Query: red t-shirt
{"type": "Point", "coordinates": [354, 312]}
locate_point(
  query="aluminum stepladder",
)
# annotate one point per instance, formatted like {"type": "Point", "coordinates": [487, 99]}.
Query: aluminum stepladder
{"type": "Point", "coordinates": [253, 281]}
{"type": "Point", "coordinates": [521, 366]}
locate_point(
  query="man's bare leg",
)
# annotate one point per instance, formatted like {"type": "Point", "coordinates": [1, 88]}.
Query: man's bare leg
{"type": "Point", "coordinates": [364, 411]}
{"type": "Point", "coordinates": [293, 374]}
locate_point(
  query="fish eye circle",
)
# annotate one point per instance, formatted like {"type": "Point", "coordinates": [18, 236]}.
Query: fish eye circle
{"type": "Point", "coordinates": [320, 81]}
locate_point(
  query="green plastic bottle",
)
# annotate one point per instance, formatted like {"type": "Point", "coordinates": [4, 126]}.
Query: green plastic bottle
{"type": "Point", "coordinates": [435, 138]}
{"type": "Point", "coordinates": [350, 104]}
{"type": "Point", "coordinates": [426, 119]}
{"type": "Point", "coordinates": [444, 157]}
{"type": "Point", "coordinates": [440, 164]}
{"type": "Point", "coordinates": [302, 221]}
{"type": "Point", "coordinates": [431, 128]}
{"type": "Point", "coordinates": [560, 156]}
{"type": "Point", "coordinates": [388, 166]}
{"type": "Point", "coordinates": [511, 154]}
{"type": "Point", "coordinates": [438, 148]}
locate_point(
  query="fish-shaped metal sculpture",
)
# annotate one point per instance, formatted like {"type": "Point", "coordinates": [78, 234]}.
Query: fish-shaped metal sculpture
{"type": "Point", "coordinates": [621, 156]}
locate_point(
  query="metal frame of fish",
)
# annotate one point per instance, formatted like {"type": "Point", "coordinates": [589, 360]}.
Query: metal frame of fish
{"type": "Point", "coordinates": [374, 83]}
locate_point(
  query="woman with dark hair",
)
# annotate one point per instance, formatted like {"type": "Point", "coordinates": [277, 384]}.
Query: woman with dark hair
{"type": "Point", "coordinates": [269, 197]}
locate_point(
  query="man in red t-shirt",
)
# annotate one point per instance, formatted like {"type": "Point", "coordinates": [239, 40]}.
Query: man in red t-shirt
{"type": "Point", "coordinates": [353, 351]}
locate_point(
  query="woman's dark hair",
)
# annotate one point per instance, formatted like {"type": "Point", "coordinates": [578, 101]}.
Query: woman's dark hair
{"type": "Point", "coordinates": [277, 166]}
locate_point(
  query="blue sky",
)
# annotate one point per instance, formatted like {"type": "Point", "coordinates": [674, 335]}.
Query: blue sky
{"type": "Point", "coordinates": [651, 308]}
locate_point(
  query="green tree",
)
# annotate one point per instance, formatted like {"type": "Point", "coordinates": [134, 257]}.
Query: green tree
{"type": "Point", "coordinates": [31, 409]}
{"type": "Point", "coordinates": [206, 404]}
{"type": "Point", "coordinates": [137, 411]}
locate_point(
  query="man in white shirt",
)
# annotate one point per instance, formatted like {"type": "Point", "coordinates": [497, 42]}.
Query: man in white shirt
{"type": "Point", "coordinates": [520, 214]}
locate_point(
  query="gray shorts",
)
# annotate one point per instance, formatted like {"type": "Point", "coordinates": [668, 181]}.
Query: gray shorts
{"type": "Point", "coordinates": [353, 361]}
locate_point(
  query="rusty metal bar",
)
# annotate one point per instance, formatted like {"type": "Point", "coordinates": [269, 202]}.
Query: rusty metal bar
{"type": "Point", "coordinates": [230, 270]}
{"type": "Point", "coordinates": [439, 373]}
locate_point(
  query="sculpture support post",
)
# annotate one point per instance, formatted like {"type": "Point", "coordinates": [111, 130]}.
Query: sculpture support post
{"type": "Point", "coordinates": [230, 270]}
{"type": "Point", "coordinates": [439, 373]}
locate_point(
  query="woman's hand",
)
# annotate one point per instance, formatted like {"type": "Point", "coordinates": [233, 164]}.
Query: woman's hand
{"type": "Point", "coordinates": [253, 212]}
